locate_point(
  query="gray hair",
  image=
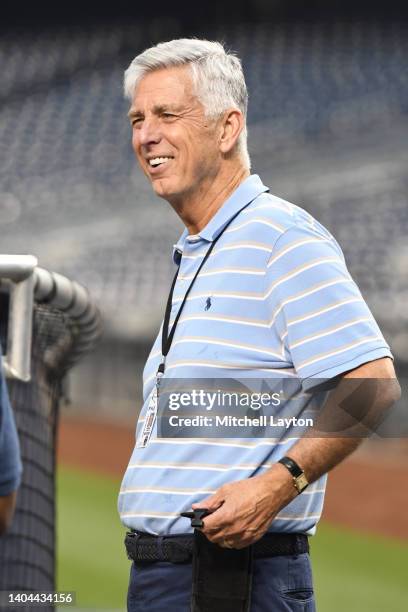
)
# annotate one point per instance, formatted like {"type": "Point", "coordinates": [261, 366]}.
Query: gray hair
{"type": "Point", "coordinates": [217, 77]}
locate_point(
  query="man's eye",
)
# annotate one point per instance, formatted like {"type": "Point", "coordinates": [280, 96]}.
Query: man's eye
{"type": "Point", "coordinates": [136, 120]}
{"type": "Point", "coordinates": [168, 115]}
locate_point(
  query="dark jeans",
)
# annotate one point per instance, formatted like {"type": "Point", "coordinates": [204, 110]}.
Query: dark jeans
{"type": "Point", "coordinates": [280, 584]}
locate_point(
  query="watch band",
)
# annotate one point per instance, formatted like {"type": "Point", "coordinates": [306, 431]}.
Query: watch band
{"type": "Point", "coordinates": [300, 481]}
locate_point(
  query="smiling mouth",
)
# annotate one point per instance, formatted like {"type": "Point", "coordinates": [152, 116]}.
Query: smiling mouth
{"type": "Point", "coordinates": [155, 162]}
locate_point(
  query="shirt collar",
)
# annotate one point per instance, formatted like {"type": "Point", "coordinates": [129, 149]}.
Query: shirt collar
{"type": "Point", "coordinates": [247, 191]}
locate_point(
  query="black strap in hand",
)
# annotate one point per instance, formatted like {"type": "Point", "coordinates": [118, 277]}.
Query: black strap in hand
{"type": "Point", "coordinates": [222, 577]}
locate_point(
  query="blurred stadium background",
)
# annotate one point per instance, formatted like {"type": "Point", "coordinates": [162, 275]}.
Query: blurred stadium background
{"type": "Point", "coordinates": [328, 127]}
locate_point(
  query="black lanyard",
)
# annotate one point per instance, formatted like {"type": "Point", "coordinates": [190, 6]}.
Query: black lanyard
{"type": "Point", "coordinates": [167, 338]}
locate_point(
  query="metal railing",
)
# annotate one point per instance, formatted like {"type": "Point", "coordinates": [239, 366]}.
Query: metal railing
{"type": "Point", "coordinates": [27, 285]}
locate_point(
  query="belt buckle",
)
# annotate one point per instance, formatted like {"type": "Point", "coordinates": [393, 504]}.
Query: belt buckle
{"type": "Point", "coordinates": [131, 539]}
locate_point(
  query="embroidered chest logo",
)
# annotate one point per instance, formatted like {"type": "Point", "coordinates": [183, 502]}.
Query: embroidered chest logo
{"type": "Point", "coordinates": [208, 304]}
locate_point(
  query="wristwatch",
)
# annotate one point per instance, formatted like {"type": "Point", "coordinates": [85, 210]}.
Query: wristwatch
{"type": "Point", "coordinates": [299, 479]}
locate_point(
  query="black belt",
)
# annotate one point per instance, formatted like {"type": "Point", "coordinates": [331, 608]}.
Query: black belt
{"type": "Point", "coordinates": [146, 548]}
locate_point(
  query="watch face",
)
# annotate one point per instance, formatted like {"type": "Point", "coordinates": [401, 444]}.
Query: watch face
{"type": "Point", "coordinates": [301, 483]}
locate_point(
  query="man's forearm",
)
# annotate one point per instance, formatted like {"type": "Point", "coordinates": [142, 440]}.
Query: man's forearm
{"type": "Point", "coordinates": [352, 412]}
{"type": "Point", "coordinates": [317, 456]}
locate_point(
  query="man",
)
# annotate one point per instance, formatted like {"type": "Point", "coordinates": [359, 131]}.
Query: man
{"type": "Point", "coordinates": [10, 463]}
{"type": "Point", "coordinates": [262, 289]}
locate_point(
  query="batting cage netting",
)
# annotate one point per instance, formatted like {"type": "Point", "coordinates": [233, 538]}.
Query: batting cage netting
{"type": "Point", "coordinates": [65, 324]}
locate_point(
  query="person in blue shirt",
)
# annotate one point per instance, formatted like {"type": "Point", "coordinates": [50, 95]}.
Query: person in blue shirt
{"type": "Point", "coordinates": [10, 461]}
{"type": "Point", "coordinates": [262, 291]}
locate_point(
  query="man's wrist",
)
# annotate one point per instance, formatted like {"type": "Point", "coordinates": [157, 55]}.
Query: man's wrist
{"type": "Point", "coordinates": [279, 484]}
{"type": "Point", "coordinates": [299, 479]}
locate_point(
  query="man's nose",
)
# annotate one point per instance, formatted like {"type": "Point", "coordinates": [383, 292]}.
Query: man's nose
{"type": "Point", "coordinates": [149, 132]}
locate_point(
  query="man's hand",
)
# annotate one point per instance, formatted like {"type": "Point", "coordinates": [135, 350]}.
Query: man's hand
{"type": "Point", "coordinates": [243, 510]}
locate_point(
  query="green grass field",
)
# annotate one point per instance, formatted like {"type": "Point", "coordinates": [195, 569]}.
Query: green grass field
{"type": "Point", "coordinates": [91, 558]}
{"type": "Point", "coordinates": [353, 572]}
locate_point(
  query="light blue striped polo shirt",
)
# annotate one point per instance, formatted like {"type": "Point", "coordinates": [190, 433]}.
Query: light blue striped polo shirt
{"type": "Point", "coordinates": [274, 299]}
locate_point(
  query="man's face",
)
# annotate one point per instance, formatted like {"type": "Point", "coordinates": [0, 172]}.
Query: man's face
{"type": "Point", "coordinates": [175, 144]}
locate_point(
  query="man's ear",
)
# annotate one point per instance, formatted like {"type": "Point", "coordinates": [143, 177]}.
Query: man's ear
{"type": "Point", "coordinates": [231, 127]}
